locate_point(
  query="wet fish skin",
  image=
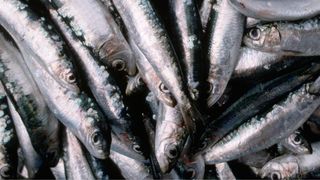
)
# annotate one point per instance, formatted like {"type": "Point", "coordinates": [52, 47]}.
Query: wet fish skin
{"type": "Point", "coordinates": [150, 36]}
{"type": "Point", "coordinates": [75, 162]}
{"type": "Point", "coordinates": [150, 77]}
{"type": "Point", "coordinates": [8, 141]}
{"type": "Point", "coordinates": [225, 35]}
{"type": "Point", "coordinates": [286, 38]}
{"type": "Point", "coordinates": [104, 88]}
{"type": "Point", "coordinates": [290, 166]}
{"type": "Point", "coordinates": [224, 171]}
{"type": "Point", "coordinates": [97, 30]}
{"type": "Point", "coordinates": [171, 136]}
{"type": "Point", "coordinates": [256, 159]}
{"type": "Point", "coordinates": [186, 32]}
{"type": "Point", "coordinates": [258, 98]}
{"type": "Point", "coordinates": [52, 70]}
{"type": "Point", "coordinates": [274, 10]}
{"type": "Point", "coordinates": [296, 143]}
{"type": "Point", "coordinates": [32, 160]}
{"type": "Point", "coordinates": [205, 11]}
{"type": "Point", "coordinates": [263, 131]}
{"type": "Point", "coordinates": [42, 126]}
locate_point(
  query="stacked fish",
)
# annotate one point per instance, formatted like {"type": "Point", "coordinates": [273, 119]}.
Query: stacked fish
{"type": "Point", "coordinates": [173, 89]}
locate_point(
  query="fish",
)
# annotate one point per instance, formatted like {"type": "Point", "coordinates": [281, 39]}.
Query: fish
{"type": "Point", "coordinates": [265, 130]}
{"type": "Point", "coordinates": [59, 171]}
{"type": "Point", "coordinates": [103, 87]}
{"type": "Point", "coordinates": [45, 56]}
{"type": "Point", "coordinates": [97, 30]}
{"type": "Point", "coordinates": [191, 168]}
{"type": "Point", "coordinates": [170, 138]}
{"type": "Point", "coordinates": [261, 96]}
{"type": "Point", "coordinates": [296, 143]}
{"type": "Point", "coordinates": [150, 77]}
{"type": "Point", "coordinates": [32, 160]}
{"type": "Point", "coordinates": [184, 28]}
{"type": "Point", "coordinates": [286, 38]}
{"type": "Point", "coordinates": [224, 171]}
{"type": "Point", "coordinates": [274, 10]}
{"type": "Point", "coordinates": [20, 87]}
{"type": "Point", "coordinates": [292, 166]}
{"type": "Point", "coordinates": [256, 159]}
{"type": "Point", "coordinates": [205, 11]}
{"type": "Point", "coordinates": [225, 35]}
{"type": "Point", "coordinates": [75, 162]}
{"type": "Point", "coordinates": [147, 31]}
{"type": "Point", "coordinates": [8, 141]}
{"type": "Point", "coordinates": [135, 85]}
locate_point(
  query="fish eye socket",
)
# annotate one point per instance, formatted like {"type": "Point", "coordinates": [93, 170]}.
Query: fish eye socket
{"type": "Point", "coordinates": [163, 88]}
{"type": "Point", "coordinates": [297, 139]}
{"type": "Point", "coordinates": [5, 171]}
{"type": "Point", "coordinates": [137, 148]}
{"type": "Point", "coordinates": [71, 78]}
{"type": "Point", "coordinates": [140, 80]}
{"type": "Point", "coordinates": [275, 176]}
{"type": "Point", "coordinates": [255, 33]}
{"type": "Point", "coordinates": [118, 64]}
{"type": "Point", "coordinates": [172, 151]}
{"type": "Point", "coordinates": [96, 138]}
{"type": "Point", "coordinates": [190, 173]}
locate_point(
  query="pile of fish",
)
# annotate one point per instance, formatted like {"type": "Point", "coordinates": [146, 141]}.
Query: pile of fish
{"type": "Point", "coordinates": [151, 89]}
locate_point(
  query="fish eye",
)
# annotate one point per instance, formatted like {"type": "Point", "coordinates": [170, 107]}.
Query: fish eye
{"type": "Point", "coordinates": [195, 93]}
{"type": "Point", "coordinates": [172, 151]}
{"type": "Point", "coordinates": [209, 87]}
{"type": "Point", "coordinates": [140, 80]}
{"type": "Point", "coordinates": [96, 138]}
{"type": "Point", "coordinates": [163, 88]}
{"type": "Point", "coordinates": [255, 33]}
{"type": "Point", "coordinates": [5, 171]}
{"type": "Point", "coordinates": [297, 139]}
{"type": "Point", "coordinates": [71, 78]}
{"type": "Point", "coordinates": [118, 64]}
{"type": "Point", "coordinates": [137, 148]}
{"type": "Point", "coordinates": [203, 145]}
{"type": "Point", "coordinates": [190, 173]}
{"type": "Point", "coordinates": [275, 176]}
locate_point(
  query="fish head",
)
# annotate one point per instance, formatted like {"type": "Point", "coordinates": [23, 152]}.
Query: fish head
{"type": "Point", "coordinates": [193, 168]}
{"type": "Point", "coordinates": [118, 56]}
{"type": "Point", "coordinates": [167, 155]}
{"type": "Point", "coordinates": [134, 84]}
{"type": "Point", "coordinates": [265, 37]}
{"type": "Point", "coordinates": [7, 171]}
{"type": "Point", "coordinates": [299, 143]}
{"type": "Point", "coordinates": [281, 168]}
{"type": "Point", "coordinates": [165, 95]}
{"type": "Point", "coordinates": [63, 72]}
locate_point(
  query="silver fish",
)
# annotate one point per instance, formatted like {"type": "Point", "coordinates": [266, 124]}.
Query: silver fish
{"type": "Point", "coordinates": [41, 124]}
{"type": "Point", "coordinates": [225, 37]}
{"type": "Point", "coordinates": [286, 38]}
{"type": "Point", "coordinates": [205, 11]}
{"type": "Point", "coordinates": [290, 166]}
{"type": "Point", "coordinates": [171, 136]}
{"type": "Point", "coordinates": [74, 159]}
{"type": "Point", "coordinates": [50, 66]}
{"type": "Point", "coordinates": [150, 77]}
{"type": "Point", "coordinates": [264, 131]}
{"type": "Point", "coordinates": [146, 29]}
{"type": "Point", "coordinates": [275, 10]}
{"type": "Point", "coordinates": [103, 88]}
{"type": "Point", "coordinates": [93, 24]}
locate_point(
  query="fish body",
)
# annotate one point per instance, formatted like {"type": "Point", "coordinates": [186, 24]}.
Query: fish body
{"type": "Point", "coordinates": [263, 131]}
{"type": "Point", "coordinates": [45, 56]}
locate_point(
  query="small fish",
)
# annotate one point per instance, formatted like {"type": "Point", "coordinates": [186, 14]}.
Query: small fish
{"type": "Point", "coordinates": [135, 84]}
{"type": "Point", "coordinates": [150, 76]}
{"type": "Point", "coordinates": [191, 168]}
{"type": "Point", "coordinates": [275, 10]}
{"type": "Point", "coordinates": [290, 166]}
{"type": "Point", "coordinates": [225, 35]}
{"type": "Point", "coordinates": [75, 162]}
{"type": "Point", "coordinates": [149, 34]}
{"type": "Point", "coordinates": [286, 38]}
{"type": "Point", "coordinates": [256, 159]}
{"type": "Point", "coordinates": [263, 131]}
{"type": "Point", "coordinates": [296, 143]}
{"type": "Point", "coordinates": [205, 11]}
{"type": "Point", "coordinates": [261, 96]}
{"type": "Point", "coordinates": [20, 87]}
{"type": "Point", "coordinates": [45, 56]}
{"type": "Point", "coordinates": [93, 24]}
{"type": "Point", "coordinates": [171, 136]}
